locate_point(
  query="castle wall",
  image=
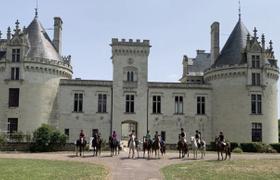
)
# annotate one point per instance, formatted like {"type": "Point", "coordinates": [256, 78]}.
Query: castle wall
{"type": "Point", "coordinates": [89, 118]}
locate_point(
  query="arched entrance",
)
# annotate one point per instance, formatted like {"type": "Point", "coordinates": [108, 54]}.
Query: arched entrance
{"type": "Point", "coordinates": [127, 127]}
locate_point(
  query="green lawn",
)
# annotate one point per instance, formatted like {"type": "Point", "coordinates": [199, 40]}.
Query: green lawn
{"type": "Point", "coordinates": [234, 169]}
{"type": "Point", "coordinates": [26, 169]}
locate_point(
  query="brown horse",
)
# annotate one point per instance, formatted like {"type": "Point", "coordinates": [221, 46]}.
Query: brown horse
{"type": "Point", "coordinates": [96, 145]}
{"type": "Point", "coordinates": [80, 145]}
{"type": "Point", "coordinates": [223, 148]}
{"type": "Point", "coordinates": [182, 148]}
{"type": "Point", "coordinates": [147, 146]}
{"type": "Point", "coordinates": [156, 147]}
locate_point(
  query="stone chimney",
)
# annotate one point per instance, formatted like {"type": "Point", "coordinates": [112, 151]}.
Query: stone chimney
{"type": "Point", "coordinates": [215, 41]}
{"type": "Point", "coordinates": [57, 35]}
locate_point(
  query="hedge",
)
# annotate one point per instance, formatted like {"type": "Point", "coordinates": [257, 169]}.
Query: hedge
{"type": "Point", "coordinates": [276, 146]}
{"type": "Point", "coordinates": [257, 147]}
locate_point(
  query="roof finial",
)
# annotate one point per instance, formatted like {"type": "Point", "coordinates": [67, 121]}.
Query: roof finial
{"type": "Point", "coordinates": [255, 32]}
{"type": "Point", "coordinates": [239, 10]}
{"type": "Point", "coordinates": [36, 9]}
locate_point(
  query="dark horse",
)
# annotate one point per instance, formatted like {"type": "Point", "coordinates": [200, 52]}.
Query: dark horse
{"type": "Point", "coordinates": [156, 147]}
{"type": "Point", "coordinates": [223, 148]}
{"type": "Point", "coordinates": [162, 147]}
{"type": "Point", "coordinates": [81, 144]}
{"type": "Point", "coordinates": [114, 146]}
{"type": "Point", "coordinates": [96, 145]}
{"type": "Point", "coordinates": [182, 148]}
{"type": "Point", "coordinates": [147, 146]}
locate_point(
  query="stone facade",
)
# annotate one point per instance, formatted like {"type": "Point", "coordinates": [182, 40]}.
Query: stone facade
{"type": "Point", "coordinates": [216, 92]}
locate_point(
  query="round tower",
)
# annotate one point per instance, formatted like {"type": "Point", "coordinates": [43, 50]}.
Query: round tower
{"type": "Point", "coordinates": [244, 81]}
{"type": "Point", "coordinates": [30, 72]}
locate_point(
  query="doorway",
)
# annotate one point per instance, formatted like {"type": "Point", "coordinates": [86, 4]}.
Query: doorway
{"type": "Point", "coordinates": [127, 127]}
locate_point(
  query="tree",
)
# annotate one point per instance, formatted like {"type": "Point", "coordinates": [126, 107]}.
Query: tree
{"type": "Point", "coordinates": [47, 138]}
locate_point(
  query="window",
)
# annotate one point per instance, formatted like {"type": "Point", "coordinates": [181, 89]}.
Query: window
{"type": "Point", "coordinates": [102, 103]}
{"type": "Point", "coordinates": [67, 132]}
{"type": "Point", "coordinates": [12, 125]}
{"type": "Point", "coordinates": [255, 61]}
{"type": "Point", "coordinates": [200, 105]}
{"type": "Point", "coordinates": [15, 55]}
{"type": "Point", "coordinates": [94, 131]}
{"type": "Point", "coordinates": [256, 132]}
{"type": "Point", "coordinates": [13, 97]}
{"type": "Point", "coordinates": [156, 104]}
{"type": "Point", "coordinates": [130, 76]}
{"type": "Point", "coordinates": [129, 103]}
{"type": "Point", "coordinates": [256, 104]}
{"type": "Point", "coordinates": [256, 79]}
{"type": "Point", "coordinates": [14, 73]}
{"type": "Point", "coordinates": [178, 104]}
{"type": "Point", "coordinates": [78, 102]}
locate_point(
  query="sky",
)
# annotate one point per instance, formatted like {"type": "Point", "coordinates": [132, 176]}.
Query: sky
{"type": "Point", "coordinates": [174, 28]}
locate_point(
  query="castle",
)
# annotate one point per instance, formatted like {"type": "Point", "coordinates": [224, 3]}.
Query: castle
{"type": "Point", "coordinates": [233, 90]}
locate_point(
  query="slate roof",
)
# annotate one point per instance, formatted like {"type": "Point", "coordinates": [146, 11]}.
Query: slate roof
{"type": "Point", "coordinates": [40, 44]}
{"type": "Point", "coordinates": [236, 43]}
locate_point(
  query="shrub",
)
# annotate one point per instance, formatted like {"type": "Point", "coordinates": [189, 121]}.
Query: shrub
{"type": "Point", "coordinates": [257, 147]}
{"type": "Point", "coordinates": [233, 145]}
{"type": "Point", "coordinates": [237, 150]}
{"type": "Point", "coordinates": [211, 146]}
{"type": "Point", "coordinates": [2, 139]}
{"type": "Point", "coordinates": [248, 147]}
{"type": "Point", "coordinates": [47, 138]}
{"type": "Point", "coordinates": [276, 146]}
{"type": "Point", "coordinates": [17, 137]}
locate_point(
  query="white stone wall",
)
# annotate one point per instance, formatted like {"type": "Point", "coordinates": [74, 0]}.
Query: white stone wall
{"type": "Point", "coordinates": [90, 118]}
{"type": "Point", "coordinates": [171, 123]}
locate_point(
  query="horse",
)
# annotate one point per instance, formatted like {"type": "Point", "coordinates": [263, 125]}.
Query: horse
{"type": "Point", "coordinates": [162, 148]}
{"type": "Point", "coordinates": [202, 148]}
{"type": "Point", "coordinates": [80, 144]}
{"type": "Point", "coordinates": [96, 145]}
{"type": "Point", "coordinates": [132, 146]}
{"type": "Point", "coordinates": [182, 148]}
{"type": "Point", "coordinates": [147, 146]}
{"type": "Point", "coordinates": [194, 146]}
{"type": "Point", "coordinates": [114, 144]}
{"type": "Point", "coordinates": [156, 147]}
{"type": "Point", "coordinates": [222, 148]}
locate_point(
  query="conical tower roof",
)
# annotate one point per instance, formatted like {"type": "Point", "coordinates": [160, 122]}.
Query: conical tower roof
{"type": "Point", "coordinates": [232, 51]}
{"type": "Point", "coordinates": [40, 45]}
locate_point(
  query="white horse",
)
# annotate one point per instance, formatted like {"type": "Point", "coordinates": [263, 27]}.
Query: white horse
{"type": "Point", "coordinates": [202, 148]}
{"type": "Point", "coordinates": [132, 146]}
{"type": "Point", "coordinates": [194, 147]}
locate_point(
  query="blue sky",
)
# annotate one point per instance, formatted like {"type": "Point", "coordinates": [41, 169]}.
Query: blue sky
{"type": "Point", "coordinates": [174, 27]}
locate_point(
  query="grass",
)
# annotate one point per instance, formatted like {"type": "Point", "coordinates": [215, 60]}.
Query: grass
{"type": "Point", "coordinates": [234, 169]}
{"type": "Point", "coordinates": [25, 169]}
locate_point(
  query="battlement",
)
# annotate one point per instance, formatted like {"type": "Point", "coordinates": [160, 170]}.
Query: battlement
{"type": "Point", "coordinates": [130, 42]}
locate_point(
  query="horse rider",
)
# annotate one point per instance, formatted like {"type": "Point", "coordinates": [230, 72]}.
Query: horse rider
{"type": "Point", "coordinates": [114, 135]}
{"type": "Point", "coordinates": [198, 138]}
{"type": "Point", "coordinates": [222, 138]}
{"type": "Point", "coordinates": [148, 136]}
{"type": "Point", "coordinates": [156, 136]}
{"type": "Point", "coordinates": [82, 134]}
{"type": "Point", "coordinates": [130, 136]}
{"type": "Point", "coordinates": [183, 136]}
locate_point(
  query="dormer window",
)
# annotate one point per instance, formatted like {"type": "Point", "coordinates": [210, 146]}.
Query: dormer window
{"type": "Point", "coordinates": [130, 76]}
{"type": "Point", "coordinates": [15, 55]}
{"type": "Point", "coordinates": [255, 61]}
